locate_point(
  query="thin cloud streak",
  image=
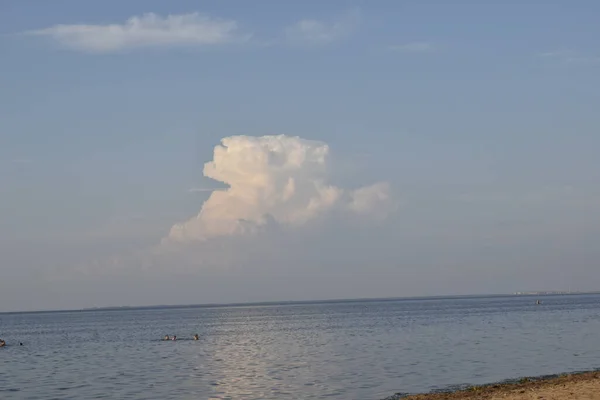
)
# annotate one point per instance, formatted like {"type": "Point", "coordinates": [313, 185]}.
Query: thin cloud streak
{"type": "Point", "coordinates": [571, 57]}
{"type": "Point", "coordinates": [318, 32]}
{"type": "Point", "coordinates": [202, 190]}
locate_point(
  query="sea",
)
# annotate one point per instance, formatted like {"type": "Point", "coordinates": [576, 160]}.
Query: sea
{"type": "Point", "coordinates": [365, 350]}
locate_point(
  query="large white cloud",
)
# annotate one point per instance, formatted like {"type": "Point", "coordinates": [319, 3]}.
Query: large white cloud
{"type": "Point", "coordinates": [274, 181]}
{"type": "Point", "coordinates": [147, 30]}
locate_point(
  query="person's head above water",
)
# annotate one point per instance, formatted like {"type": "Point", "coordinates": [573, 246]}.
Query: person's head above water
{"type": "Point", "coordinates": [174, 337]}
{"type": "Point", "coordinates": [196, 336]}
{"type": "Point", "coordinates": [166, 337]}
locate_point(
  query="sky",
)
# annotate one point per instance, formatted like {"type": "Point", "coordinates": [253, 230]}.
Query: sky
{"type": "Point", "coordinates": [190, 152]}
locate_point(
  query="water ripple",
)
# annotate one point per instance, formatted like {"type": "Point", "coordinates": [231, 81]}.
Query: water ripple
{"type": "Point", "coordinates": [357, 350]}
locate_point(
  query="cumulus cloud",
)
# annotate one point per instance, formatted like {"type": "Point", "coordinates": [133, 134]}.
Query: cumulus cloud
{"type": "Point", "coordinates": [147, 30]}
{"type": "Point", "coordinates": [274, 181]}
{"type": "Point", "coordinates": [317, 32]}
{"type": "Point", "coordinates": [414, 47]}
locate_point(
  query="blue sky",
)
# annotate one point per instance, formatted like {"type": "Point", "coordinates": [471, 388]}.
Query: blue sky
{"type": "Point", "coordinates": [480, 116]}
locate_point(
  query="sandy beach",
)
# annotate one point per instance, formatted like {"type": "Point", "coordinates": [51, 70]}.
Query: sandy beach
{"type": "Point", "coordinates": [581, 386]}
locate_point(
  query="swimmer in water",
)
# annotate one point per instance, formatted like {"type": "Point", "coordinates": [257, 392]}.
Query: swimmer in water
{"type": "Point", "coordinates": [174, 338]}
{"type": "Point", "coordinates": [196, 337]}
{"type": "Point", "coordinates": [166, 337]}
{"type": "Point", "coordinates": [2, 343]}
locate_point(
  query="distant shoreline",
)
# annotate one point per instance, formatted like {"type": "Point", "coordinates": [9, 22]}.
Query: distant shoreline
{"type": "Point", "coordinates": [302, 302]}
{"type": "Point", "coordinates": [550, 293]}
{"type": "Point", "coordinates": [564, 386]}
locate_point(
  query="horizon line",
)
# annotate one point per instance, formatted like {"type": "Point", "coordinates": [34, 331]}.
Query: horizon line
{"type": "Point", "coordinates": [293, 302]}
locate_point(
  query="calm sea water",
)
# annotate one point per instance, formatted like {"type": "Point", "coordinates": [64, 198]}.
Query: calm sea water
{"type": "Point", "coordinates": [351, 350]}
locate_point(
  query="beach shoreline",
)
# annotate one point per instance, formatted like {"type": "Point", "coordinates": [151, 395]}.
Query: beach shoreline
{"type": "Point", "coordinates": [568, 386]}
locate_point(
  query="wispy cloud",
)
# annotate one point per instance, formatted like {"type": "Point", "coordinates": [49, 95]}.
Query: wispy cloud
{"type": "Point", "coordinates": [413, 47]}
{"type": "Point", "coordinates": [147, 30]}
{"type": "Point", "coordinates": [555, 54]}
{"type": "Point", "coordinates": [318, 32]}
{"type": "Point", "coordinates": [570, 57]}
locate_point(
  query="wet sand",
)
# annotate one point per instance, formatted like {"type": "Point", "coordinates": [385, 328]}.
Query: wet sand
{"type": "Point", "coordinates": [579, 386]}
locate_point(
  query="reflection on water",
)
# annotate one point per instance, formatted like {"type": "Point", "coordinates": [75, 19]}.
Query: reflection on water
{"type": "Point", "coordinates": [359, 350]}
